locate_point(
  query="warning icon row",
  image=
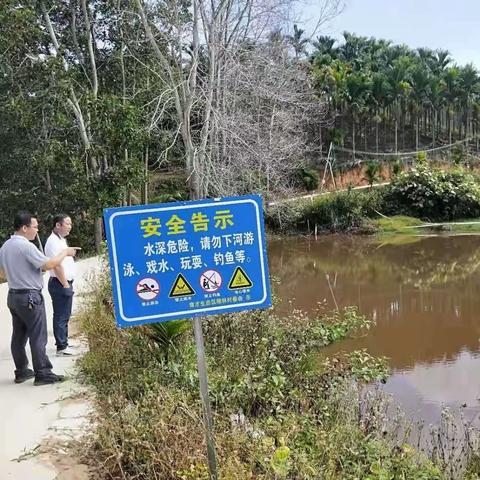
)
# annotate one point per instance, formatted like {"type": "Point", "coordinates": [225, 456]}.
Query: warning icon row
{"type": "Point", "coordinates": [210, 281]}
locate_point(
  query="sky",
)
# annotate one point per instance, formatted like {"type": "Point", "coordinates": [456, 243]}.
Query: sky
{"type": "Point", "coordinates": [453, 25]}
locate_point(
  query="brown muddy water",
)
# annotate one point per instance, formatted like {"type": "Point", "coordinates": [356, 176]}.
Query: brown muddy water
{"type": "Point", "coordinates": [423, 292]}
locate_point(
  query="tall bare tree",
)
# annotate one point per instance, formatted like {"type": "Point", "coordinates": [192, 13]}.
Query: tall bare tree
{"type": "Point", "coordinates": [84, 36]}
{"type": "Point", "coordinates": [205, 51]}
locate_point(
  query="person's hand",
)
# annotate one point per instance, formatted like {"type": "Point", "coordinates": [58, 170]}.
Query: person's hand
{"type": "Point", "coordinates": [72, 251]}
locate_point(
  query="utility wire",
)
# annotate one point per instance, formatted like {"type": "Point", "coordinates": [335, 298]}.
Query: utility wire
{"type": "Point", "coordinates": [403, 154]}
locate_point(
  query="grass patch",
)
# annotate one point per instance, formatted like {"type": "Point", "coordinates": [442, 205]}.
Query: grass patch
{"type": "Point", "coordinates": [397, 224]}
{"type": "Point", "coordinates": [398, 240]}
{"type": "Point", "coordinates": [402, 225]}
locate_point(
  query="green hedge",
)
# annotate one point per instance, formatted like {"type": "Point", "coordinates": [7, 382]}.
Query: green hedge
{"type": "Point", "coordinates": [434, 194]}
{"type": "Point", "coordinates": [425, 192]}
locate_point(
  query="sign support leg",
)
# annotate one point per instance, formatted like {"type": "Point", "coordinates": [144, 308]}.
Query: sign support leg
{"type": "Point", "coordinates": [207, 413]}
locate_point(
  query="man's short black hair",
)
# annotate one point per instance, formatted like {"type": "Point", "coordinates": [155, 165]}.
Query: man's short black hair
{"type": "Point", "coordinates": [59, 218]}
{"type": "Point", "coordinates": [22, 219]}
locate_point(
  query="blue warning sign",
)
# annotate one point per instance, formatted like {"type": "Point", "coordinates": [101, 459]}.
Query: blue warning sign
{"type": "Point", "coordinates": [186, 259]}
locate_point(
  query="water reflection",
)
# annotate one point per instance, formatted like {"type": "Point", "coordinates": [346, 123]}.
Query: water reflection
{"type": "Point", "coordinates": [425, 388]}
{"type": "Point", "coordinates": [425, 297]}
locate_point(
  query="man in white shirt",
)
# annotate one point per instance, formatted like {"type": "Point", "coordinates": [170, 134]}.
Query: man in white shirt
{"type": "Point", "coordinates": [60, 283]}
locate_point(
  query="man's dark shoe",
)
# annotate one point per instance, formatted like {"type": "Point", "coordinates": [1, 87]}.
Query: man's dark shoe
{"type": "Point", "coordinates": [48, 379]}
{"type": "Point", "coordinates": [24, 376]}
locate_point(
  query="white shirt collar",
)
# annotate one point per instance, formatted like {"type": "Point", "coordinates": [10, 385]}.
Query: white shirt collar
{"type": "Point", "coordinates": [19, 236]}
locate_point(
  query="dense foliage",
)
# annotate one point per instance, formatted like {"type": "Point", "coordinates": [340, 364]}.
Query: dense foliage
{"type": "Point", "coordinates": [101, 100]}
{"type": "Point", "coordinates": [392, 97]}
{"type": "Point", "coordinates": [280, 409]}
{"type": "Point", "coordinates": [93, 111]}
{"type": "Point", "coordinates": [435, 194]}
{"type": "Point", "coordinates": [425, 192]}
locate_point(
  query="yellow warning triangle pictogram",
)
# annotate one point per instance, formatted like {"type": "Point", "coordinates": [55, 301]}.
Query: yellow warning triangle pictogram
{"type": "Point", "coordinates": [181, 287]}
{"type": "Point", "coordinates": [239, 280]}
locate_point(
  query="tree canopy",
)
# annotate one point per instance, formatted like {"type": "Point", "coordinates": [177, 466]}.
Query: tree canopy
{"type": "Point", "coordinates": [374, 87]}
{"type": "Point", "coordinates": [100, 100]}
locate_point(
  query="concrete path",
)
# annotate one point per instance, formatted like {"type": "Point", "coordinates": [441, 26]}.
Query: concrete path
{"type": "Point", "coordinates": [32, 417]}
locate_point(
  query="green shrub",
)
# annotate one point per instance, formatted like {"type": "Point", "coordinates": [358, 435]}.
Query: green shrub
{"type": "Point", "coordinates": [279, 412]}
{"type": "Point", "coordinates": [268, 367]}
{"type": "Point", "coordinates": [166, 334]}
{"type": "Point", "coordinates": [422, 157]}
{"type": "Point", "coordinates": [168, 188]}
{"type": "Point", "coordinates": [473, 468]}
{"type": "Point", "coordinates": [372, 172]}
{"type": "Point", "coordinates": [284, 217]}
{"type": "Point", "coordinates": [434, 194]}
{"type": "Point", "coordinates": [427, 193]}
{"type": "Point", "coordinates": [344, 211]}
{"type": "Point", "coordinates": [395, 167]}
{"type": "Point", "coordinates": [458, 154]}
{"type": "Point", "coordinates": [307, 178]}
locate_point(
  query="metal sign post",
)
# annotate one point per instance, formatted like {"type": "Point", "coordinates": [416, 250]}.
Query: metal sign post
{"type": "Point", "coordinates": [207, 413]}
{"type": "Point", "coordinates": [188, 260]}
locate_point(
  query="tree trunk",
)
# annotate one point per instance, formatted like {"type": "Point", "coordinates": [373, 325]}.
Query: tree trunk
{"type": "Point", "coordinates": [321, 142]}
{"type": "Point", "coordinates": [396, 136]}
{"type": "Point", "coordinates": [467, 121]}
{"type": "Point", "coordinates": [49, 180]}
{"type": "Point", "coordinates": [366, 136]}
{"type": "Point", "coordinates": [416, 132]}
{"type": "Point", "coordinates": [98, 233]}
{"type": "Point", "coordinates": [353, 138]}
{"type": "Point", "coordinates": [449, 125]}
{"type": "Point", "coordinates": [90, 46]}
{"type": "Point", "coordinates": [385, 128]}
{"type": "Point", "coordinates": [145, 181]}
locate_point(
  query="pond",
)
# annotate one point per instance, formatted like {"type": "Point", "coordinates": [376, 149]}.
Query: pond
{"type": "Point", "coordinates": [423, 293]}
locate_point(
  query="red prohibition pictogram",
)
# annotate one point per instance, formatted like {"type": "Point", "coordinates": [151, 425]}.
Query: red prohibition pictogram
{"type": "Point", "coordinates": [148, 288]}
{"type": "Point", "coordinates": [210, 280]}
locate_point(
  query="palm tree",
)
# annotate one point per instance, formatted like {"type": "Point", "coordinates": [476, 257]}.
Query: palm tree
{"type": "Point", "coordinates": [426, 55]}
{"type": "Point", "coordinates": [324, 44]}
{"type": "Point", "coordinates": [397, 77]}
{"type": "Point", "coordinates": [468, 88]}
{"type": "Point", "coordinates": [298, 43]}
{"type": "Point", "coordinates": [379, 92]}
{"type": "Point", "coordinates": [358, 89]}
{"type": "Point", "coordinates": [166, 334]}
{"type": "Point", "coordinates": [372, 173]}
{"type": "Point", "coordinates": [435, 101]}
{"type": "Point", "coordinates": [373, 81]}
{"type": "Point", "coordinates": [441, 60]}
{"type": "Point", "coordinates": [420, 84]}
{"type": "Point", "coordinates": [450, 78]}
{"type": "Point", "coordinates": [324, 52]}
